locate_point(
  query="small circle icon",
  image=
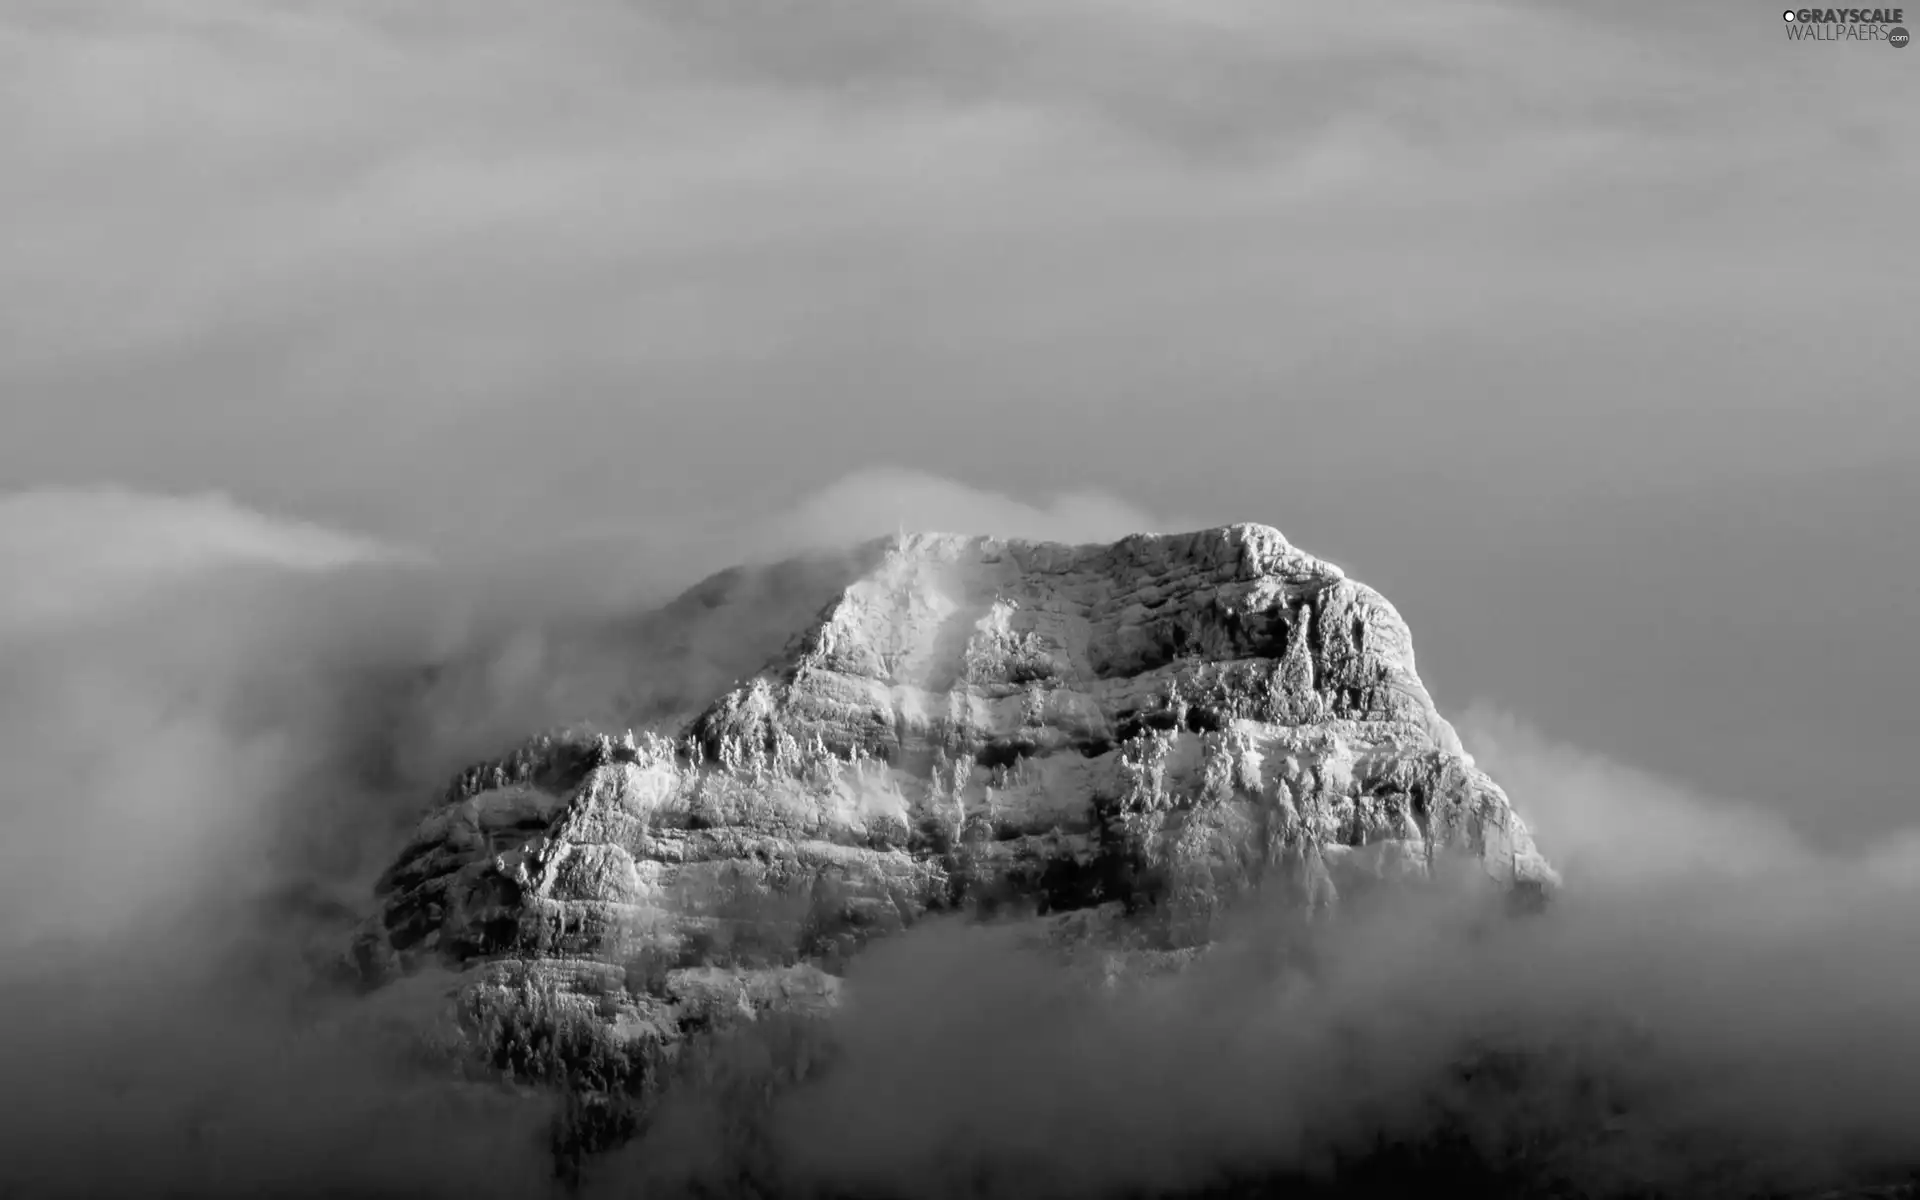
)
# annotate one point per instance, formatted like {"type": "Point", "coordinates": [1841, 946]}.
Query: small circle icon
{"type": "Point", "coordinates": [1897, 37]}
{"type": "Point", "coordinates": [1787, 15]}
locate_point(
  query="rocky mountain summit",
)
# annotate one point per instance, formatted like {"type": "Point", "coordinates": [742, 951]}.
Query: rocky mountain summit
{"type": "Point", "coordinates": [1115, 741]}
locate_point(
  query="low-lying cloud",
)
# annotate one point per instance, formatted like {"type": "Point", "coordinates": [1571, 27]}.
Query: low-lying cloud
{"type": "Point", "coordinates": [215, 728]}
{"type": "Point", "coordinates": [217, 724]}
{"type": "Point", "coordinates": [1711, 1009]}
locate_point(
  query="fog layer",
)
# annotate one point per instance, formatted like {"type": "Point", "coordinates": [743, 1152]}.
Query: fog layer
{"type": "Point", "coordinates": [208, 757]}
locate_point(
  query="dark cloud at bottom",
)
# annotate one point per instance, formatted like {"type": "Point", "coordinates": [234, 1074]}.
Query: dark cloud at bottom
{"type": "Point", "coordinates": [205, 773]}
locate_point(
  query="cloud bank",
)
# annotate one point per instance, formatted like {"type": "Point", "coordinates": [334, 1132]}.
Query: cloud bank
{"type": "Point", "coordinates": [1713, 1009]}
{"type": "Point", "coordinates": [432, 269]}
{"type": "Point", "coordinates": [212, 749]}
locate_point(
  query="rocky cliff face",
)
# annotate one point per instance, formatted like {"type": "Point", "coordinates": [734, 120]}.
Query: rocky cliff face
{"type": "Point", "coordinates": [1117, 738]}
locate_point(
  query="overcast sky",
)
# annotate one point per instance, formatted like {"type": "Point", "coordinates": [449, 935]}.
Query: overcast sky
{"type": "Point", "coordinates": [1581, 331]}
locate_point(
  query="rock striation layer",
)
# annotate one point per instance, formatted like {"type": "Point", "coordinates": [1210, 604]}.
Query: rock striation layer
{"type": "Point", "coordinates": [1128, 734]}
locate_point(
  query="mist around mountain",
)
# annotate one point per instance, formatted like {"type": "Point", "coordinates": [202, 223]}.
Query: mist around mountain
{"type": "Point", "coordinates": [213, 748]}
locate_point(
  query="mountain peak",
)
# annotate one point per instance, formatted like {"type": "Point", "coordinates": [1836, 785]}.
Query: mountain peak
{"type": "Point", "coordinates": [1139, 732]}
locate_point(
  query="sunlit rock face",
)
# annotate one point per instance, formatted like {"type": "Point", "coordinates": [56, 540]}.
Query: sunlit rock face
{"type": "Point", "coordinates": [1118, 738]}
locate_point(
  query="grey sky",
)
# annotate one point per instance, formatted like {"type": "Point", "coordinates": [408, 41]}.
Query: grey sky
{"type": "Point", "coordinates": [1579, 330]}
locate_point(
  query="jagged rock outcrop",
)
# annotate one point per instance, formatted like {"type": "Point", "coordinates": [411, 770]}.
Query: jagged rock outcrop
{"type": "Point", "coordinates": [1129, 734]}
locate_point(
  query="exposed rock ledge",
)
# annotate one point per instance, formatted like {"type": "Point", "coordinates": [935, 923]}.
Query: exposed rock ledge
{"type": "Point", "coordinates": [1114, 738]}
